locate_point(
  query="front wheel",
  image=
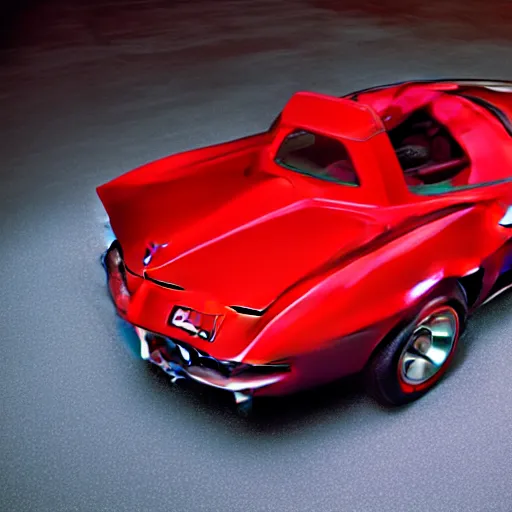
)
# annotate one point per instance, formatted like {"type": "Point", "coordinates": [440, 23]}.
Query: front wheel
{"type": "Point", "coordinates": [412, 362]}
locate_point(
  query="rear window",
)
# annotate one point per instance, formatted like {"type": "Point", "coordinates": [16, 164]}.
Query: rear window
{"type": "Point", "coordinates": [318, 156]}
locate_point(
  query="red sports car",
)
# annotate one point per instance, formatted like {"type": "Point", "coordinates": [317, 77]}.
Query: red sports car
{"type": "Point", "coordinates": [355, 235]}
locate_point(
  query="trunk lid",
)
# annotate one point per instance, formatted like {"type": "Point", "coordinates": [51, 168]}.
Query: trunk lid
{"type": "Point", "coordinates": [242, 240]}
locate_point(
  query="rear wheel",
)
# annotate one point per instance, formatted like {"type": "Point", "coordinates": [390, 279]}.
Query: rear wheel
{"type": "Point", "coordinates": [412, 362]}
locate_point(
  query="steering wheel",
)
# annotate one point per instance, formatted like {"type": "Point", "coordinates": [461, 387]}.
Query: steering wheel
{"type": "Point", "coordinates": [429, 171]}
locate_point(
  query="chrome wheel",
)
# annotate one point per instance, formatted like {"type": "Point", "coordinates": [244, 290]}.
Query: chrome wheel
{"type": "Point", "coordinates": [429, 346]}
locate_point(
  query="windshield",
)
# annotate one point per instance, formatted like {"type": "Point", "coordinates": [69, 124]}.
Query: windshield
{"type": "Point", "coordinates": [318, 156]}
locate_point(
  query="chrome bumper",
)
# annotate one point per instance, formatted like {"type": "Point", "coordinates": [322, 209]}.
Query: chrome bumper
{"type": "Point", "coordinates": [183, 361]}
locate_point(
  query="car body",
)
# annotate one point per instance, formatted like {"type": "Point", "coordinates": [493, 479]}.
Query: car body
{"type": "Point", "coordinates": [271, 264]}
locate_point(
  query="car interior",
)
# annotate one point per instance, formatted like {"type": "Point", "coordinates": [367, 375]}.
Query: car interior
{"type": "Point", "coordinates": [431, 159]}
{"type": "Point", "coordinates": [319, 156]}
{"type": "Point", "coordinates": [426, 151]}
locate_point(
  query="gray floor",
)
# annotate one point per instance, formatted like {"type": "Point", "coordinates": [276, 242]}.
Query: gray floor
{"type": "Point", "coordinates": [88, 93]}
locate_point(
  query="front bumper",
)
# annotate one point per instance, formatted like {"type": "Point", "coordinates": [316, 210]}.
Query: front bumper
{"type": "Point", "coordinates": [181, 360]}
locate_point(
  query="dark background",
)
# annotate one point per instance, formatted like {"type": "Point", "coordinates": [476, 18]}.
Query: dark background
{"type": "Point", "coordinates": [89, 90]}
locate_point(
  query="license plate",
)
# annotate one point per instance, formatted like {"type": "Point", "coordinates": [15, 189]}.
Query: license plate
{"type": "Point", "coordinates": [194, 323]}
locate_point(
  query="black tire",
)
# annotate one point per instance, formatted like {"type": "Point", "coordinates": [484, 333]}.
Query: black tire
{"type": "Point", "coordinates": [384, 377]}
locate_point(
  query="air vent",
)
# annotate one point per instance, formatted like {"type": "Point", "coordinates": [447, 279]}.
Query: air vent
{"type": "Point", "coordinates": [163, 284]}
{"type": "Point", "coordinates": [247, 311]}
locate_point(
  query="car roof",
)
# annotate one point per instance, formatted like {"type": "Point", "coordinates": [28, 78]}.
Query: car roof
{"type": "Point", "coordinates": [357, 120]}
{"type": "Point", "coordinates": [320, 112]}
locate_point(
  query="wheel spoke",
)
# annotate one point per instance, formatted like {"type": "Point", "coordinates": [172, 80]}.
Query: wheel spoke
{"type": "Point", "coordinates": [429, 346]}
{"type": "Point", "coordinates": [418, 368]}
{"type": "Point", "coordinates": [413, 353]}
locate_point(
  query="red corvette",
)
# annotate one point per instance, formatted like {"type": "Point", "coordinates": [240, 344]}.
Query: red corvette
{"type": "Point", "coordinates": [357, 234]}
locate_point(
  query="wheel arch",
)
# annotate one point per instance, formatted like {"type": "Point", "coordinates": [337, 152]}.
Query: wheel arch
{"type": "Point", "coordinates": [472, 284]}
{"type": "Point", "coordinates": [452, 289]}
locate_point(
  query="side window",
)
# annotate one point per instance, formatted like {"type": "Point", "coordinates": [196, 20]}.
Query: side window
{"type": "Point", "coordinates": [318, 156]}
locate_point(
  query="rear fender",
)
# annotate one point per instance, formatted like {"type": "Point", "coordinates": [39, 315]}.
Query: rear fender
{"type": "Point", "coordinates": [217, 163]}
{"type": "Point", "coordinates": [181, 164]}
{"type": "Point", "coordinates": [376, 292]}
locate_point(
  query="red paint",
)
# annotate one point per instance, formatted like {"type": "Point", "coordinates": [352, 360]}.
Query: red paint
{"type": "Point", "coordinates": [334, 267]}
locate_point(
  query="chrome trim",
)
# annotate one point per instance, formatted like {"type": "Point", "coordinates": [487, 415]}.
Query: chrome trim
{"type": "Point", "coordinates": [108, 234]}
{"type": "Point", "coordinates": [496, 294]}
{"type": "Point", "coordinates": [144, 347]}
{"type": "Point", "coordinates": [506, 220]}
{"type": "Point", "coordinates": [205, 376]}
{"type": "Point", "coordinates": [238, 382]}
{"type": "Point", "coordinates": [240, 398]}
